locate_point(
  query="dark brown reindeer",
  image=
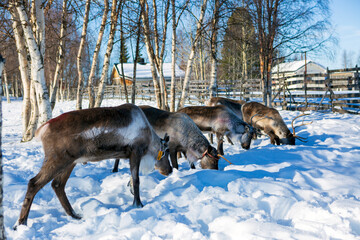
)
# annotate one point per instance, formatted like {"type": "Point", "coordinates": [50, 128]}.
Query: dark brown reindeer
{"type": "Point", "coordinates": [269, 121]}
{"type": "Point", "coordinates": [222, 121]}
{"type": "Point", "coordinates": [185, 137]}
{"type": "Point", "coordinates": [93, 135]}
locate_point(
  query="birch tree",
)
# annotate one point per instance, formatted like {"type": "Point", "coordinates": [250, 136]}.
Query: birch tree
{"type": "Point", "coordinates": [137, 55]}
{"type": "Point", "coordinates": [175, 23]}
{"type": "Point", "coordinates": [35, 42]}
{"type": "Point", "coordinates": [23, 67]}
{"type": "Point", "coordinates": [60, 56]}
{"type": "Point", "coordinates": [155, 46]}
{"type": "Point", "coordinates": [114, 18]}
{"type": "Point", "coordinates": [185, 87]}
{"type": "Point", "coordinates": [79, 57]}
{"type": "Point", "coordinates": [96, 55]}
{"type": "Point", "coordinates": [2, 228]}
{"type": "Point", "coordinates": [214, 43]}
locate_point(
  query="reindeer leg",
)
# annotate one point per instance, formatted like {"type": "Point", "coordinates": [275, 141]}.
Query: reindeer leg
{"type": "Point", "coordinates": [173, 157]}
{"type": "Point", "coordinates": [134, 168]}
{"type": "Point", "coordinates": [34, 185]}
{"type": "Point", "coordinates": [229, 140]}
{"type": "Point", "coordinates": [220, 140]}
{"type": "Point", "coordinates": [58, 184]}
{"type": "Point", "coordinates": [211, 136]}
{"type": "Point", "coordinates": [116, 165]}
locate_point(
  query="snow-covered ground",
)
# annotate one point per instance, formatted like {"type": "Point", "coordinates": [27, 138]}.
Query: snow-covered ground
{"type": "Point", "coordinates": [307, 191]}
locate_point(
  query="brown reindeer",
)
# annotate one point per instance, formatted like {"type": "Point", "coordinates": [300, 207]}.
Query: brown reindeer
{"type": "Point", "coordinates": [233, 105]}
{"type": "Point", "coordinates": [185, 137]}
{"type": "Point", "coordinates": [222, 121]}
{"type": "Point", "coordinates": [93, 135]}
{"type": "Point", "coordinates": [269, 121]}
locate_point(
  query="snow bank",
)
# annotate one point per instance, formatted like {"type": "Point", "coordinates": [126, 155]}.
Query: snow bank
{"type": "Point", "coordinates": [307, 191]}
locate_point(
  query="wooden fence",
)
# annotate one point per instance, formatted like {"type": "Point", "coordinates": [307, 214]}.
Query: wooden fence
{"type": "Point", "coordinates": [337, 90]}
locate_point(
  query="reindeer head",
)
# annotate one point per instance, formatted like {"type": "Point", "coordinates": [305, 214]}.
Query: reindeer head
{"type": "Point", "coordinates": [293, 135]}
{"type": "Point", "coordinates": [162, 161]}
{"type": "Point", "coordinates": [210, 159]}
{"type": "Point", "coordinates": [245, 139]}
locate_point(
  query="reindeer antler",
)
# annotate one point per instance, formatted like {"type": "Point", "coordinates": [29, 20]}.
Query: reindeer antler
{"type": "Point", "coordinates": [292, 125]}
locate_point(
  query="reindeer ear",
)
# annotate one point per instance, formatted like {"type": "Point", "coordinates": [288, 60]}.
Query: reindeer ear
{"type": "Point", "coordinates": [166, 137]}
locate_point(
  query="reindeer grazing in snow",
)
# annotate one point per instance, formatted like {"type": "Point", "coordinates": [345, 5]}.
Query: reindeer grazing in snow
{"type": "Point", "coordinates": [184, 135]}
{"type": "Point", "coordinates": [269, 121]}
{"type": "Point", "coordinates": [234, 105]}
{"type": "Point", "coordinates": [93, 135]}
{"type": "Point", "coordinates": [222, 121]}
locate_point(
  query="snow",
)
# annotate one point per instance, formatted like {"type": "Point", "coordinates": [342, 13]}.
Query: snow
{"type": "Point", "coordinates": [307, 191]}
{"type": "Point", "coordinates": [298, 67]}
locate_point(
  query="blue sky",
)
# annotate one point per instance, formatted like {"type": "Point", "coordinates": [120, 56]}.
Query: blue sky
{"type": "Point", "coordinates": [346, 21]}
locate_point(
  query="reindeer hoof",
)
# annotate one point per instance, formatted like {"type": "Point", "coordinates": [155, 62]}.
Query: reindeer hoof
{"type": "Point", "coordinates": [75, 215]}
{"type": "Point", "coordinates": [138, 204]}
{"type": "Point", "coordinates": [18, 223]}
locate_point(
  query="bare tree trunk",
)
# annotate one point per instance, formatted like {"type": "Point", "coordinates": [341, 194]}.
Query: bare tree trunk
{"type": "Point", "coordinates": [156, 56]}
{"type": "Point", "coordinates": [191, 57]}
{"type": "Point", "coordinates": [24, 70]}
{"type": "Point", "coordinates": [173, 58]}
{"type": "Point", "coordinates": [114, 19]}
{"type": "Point", "coordinates": [36, 49]}
{"type": "Point", "coordinates": [214, 61]}
{"type": "Point", "coordinates": [150, 50]}
{"type": "Point", "coordinates": [2, 228]}
{"type": "Point", "coordinates": [137, 51]}
{"type": "Point", "coordinates": [79, 57]}
{"type": "Point", "coordinates": [6, 86]}
{"type": "Point", "coordinates": [96, 55]}
{"type": "Point", "coordinates": [34, 115]}
{"type": "Point", "coordinates": [122, 43]}
{"type": "Point", "coordinates": [60, 56]}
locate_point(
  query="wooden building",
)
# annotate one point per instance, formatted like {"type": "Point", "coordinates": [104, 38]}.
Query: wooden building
{"type": "Point", "coordinates": [143, 73]}
{"type": "Point", "coordinates": [293, 75]}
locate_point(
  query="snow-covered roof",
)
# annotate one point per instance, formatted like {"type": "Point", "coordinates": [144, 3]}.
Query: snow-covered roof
{"type": "Point", "coordinates": [144, 70]}
{"type": "Point", "coordinates": [298, 67]}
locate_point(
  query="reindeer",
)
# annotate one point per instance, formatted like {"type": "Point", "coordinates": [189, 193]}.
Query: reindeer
{"type": "Point", "coordinates": [233, 105]}
{"type": "Point", "coordinates": [94, 135]}
{"type": "Point", "coordinates": [185, 137]}
{"type": "Point", "coordinates": [222, 121]}
{"type": "Point", "coordinates": [269, 121]}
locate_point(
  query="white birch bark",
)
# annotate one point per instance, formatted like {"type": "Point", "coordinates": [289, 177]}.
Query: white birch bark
{"type": "Point", "coordinates": [214, 61]}
{"type": "Point", "coordinates": [189, 64]}
{"type": "Point", "coordinates": [60, 57]}
{"type": "Point", "coordinates": [173, 58]}
{"type": "Point", "coordinates": [96, 55]}
{"type": "Point", "coordinates": [37, 65]}
{"type": "Point", "coordinates": [2, 228]}
{"type": "Point", "coordinates": [79, 57]}
{"type": "Point", "coordinates": [150, 50]}
{"type": "Point", "coordinates": [104, 73]}
{"type": "Point", "coordinates": [24, 70]}
{"type": "Point", "coordinates": [6, 87]}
